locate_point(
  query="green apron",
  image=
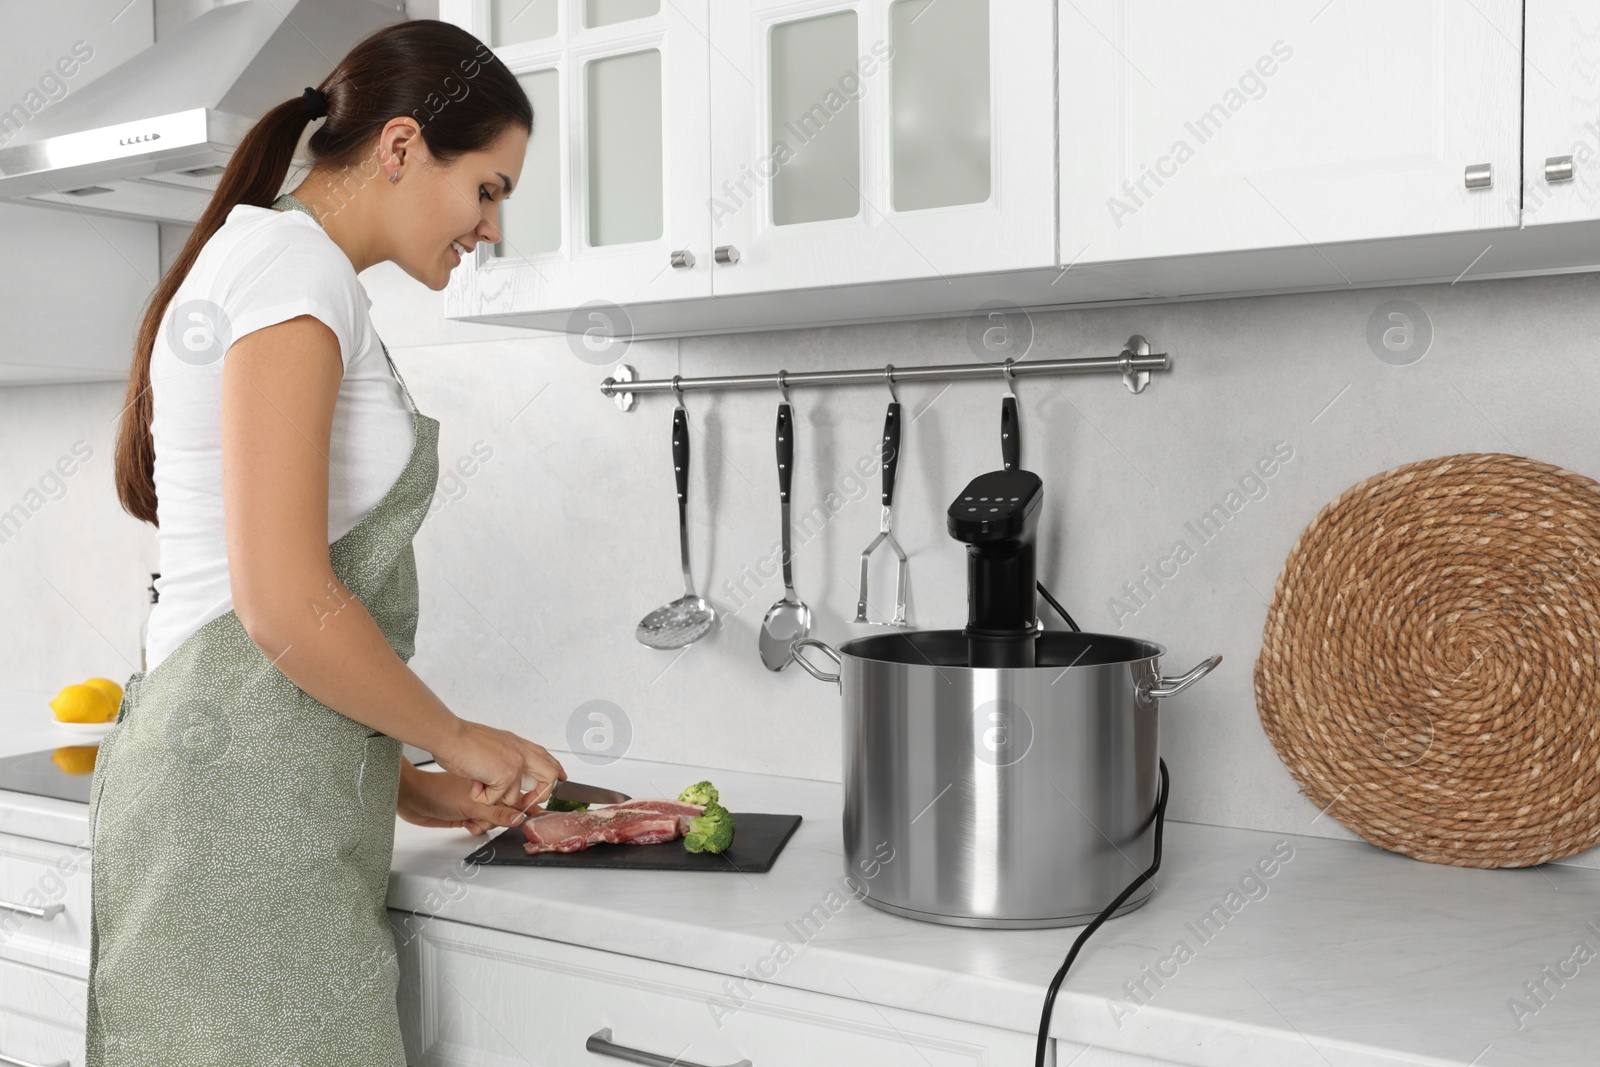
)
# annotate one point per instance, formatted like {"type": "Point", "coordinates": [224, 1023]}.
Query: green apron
{"type": "Point", "coordinates": [242, 834]}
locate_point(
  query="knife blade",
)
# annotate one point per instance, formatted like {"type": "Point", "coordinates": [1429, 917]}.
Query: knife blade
{"type": "Point", "coordinates": [579, 792]}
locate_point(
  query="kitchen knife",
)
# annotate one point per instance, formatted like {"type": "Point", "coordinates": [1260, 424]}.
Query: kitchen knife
{"type": "Point", "coordinates": [579, 793]}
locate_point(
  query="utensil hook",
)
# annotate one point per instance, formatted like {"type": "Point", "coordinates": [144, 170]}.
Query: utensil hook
{"type": "Point", "coordinates": [783, 385]}
{"type": "Point", "coordinates": [888, 379]}
{"type": "Point", "coordinates": [1010, 377]}
{"type": "Point", "coordinates": [677, 390]}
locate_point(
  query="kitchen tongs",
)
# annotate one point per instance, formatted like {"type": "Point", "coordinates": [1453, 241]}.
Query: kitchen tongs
{"type": "Point", "coordinates": [891, 459]}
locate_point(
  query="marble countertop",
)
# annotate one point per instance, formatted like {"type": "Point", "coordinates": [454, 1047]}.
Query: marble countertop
{"type": "Point", "coordinates": [1343, 955]}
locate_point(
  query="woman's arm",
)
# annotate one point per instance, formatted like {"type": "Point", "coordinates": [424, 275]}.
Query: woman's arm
{"type": "Point", "coordinates": [278, 391]}
{"type": "Point", "coordinates": [279, 385]}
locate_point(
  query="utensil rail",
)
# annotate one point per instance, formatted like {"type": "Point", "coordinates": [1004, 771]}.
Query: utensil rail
{"type": "Point", "coordinates": [1134, 363]}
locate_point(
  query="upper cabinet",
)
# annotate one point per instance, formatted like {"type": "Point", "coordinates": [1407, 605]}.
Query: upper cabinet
{"type": "Point", "coordinates": [867, 141]}
{"type": "Point", "coordinates": [76, 287]}
{"type": "Point", "coordinates": [611, 205]}
{"type": "Point", "coordinates": [718, 165]}
{"type": "Point", "coordinates": [1206, 128]}
{"type": "Point", "coordinates": [688, 149]}
{"type": "Point", "coordinates": [1561, 116]}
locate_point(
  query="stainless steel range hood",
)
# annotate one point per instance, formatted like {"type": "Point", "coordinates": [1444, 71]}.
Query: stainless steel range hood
{"type": "Point", "coordinates": [149, 139]}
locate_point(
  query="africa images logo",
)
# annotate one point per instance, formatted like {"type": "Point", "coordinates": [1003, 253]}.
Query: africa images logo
{"type": "Point", "coordinates": [199, 332]}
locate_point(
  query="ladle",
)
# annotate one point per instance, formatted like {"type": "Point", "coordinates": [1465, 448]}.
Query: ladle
{"type": "Point", "coordinates": [789, 619]}
{"type": "Point", "coordinates": [686, 619]}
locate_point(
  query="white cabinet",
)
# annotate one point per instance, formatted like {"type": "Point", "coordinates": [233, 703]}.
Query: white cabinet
{"type": "Point", "coordinates": [872, 140]}
{"type": "Point", "coordinates": [44, 951]}
{"type": "Point", "coordinates": [1561, 112]}
{"type": "Point", "coordinates": [1259, 124]}
{"type": "Point", "coordinates": [797, 162]}
{"type": "Point", "coordinates": [469, 995]}
{"type": "Point", "coordinates": [41, 1016]}
{"type": "Point", "coordinates": [43, 877]}
{"type": "Point", "coordinates": [688, 153]}
{"type": "Point", "coordinates": [613, 188]}
{"type": "Point", "coordinates": [74, 287]}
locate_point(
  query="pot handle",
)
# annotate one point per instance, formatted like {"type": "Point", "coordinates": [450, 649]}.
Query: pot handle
{"type": "Point", "coordinates": [1171, 687]}
{"type": "Point", "coordinates": [816, 672]}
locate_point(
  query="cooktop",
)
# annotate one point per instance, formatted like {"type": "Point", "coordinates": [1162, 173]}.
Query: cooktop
{"type": "Point", "coordinates": [46, 774]}
{"type": "Point", "coordinates": [65, 773]}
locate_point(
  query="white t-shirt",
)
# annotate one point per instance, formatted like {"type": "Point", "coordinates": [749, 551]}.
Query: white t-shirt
{"type": "Point", "coordinates": [261, 267]}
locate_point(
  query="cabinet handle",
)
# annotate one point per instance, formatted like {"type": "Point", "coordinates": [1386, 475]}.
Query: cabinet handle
{"type": "Point", "coordinates": [600, 1043]}
{"type": "Point", "coordinates": [727, 254]}
{"type": "Point", "coordinates": [14, 1062]}
{"type": "Point", "coordinates": [1480, 176]}
{"type": "Point", "coordinates": [1558, 169]}
{"type": "Point", "coordinates": [683, 259]}
{"type": "Point", "coordinates": [49, 911]}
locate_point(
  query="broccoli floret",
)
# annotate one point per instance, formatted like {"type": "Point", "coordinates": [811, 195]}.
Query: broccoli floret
{"type": "Point", "coordinates": [701, 793]}
{"type": "Point", "coordinates": [557, 804]}
{"type": "Point", "coordinates": [711, 832]}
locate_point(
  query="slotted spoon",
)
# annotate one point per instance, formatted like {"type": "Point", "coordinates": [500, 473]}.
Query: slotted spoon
{"type": "Point", "coordinates": [686, 619]}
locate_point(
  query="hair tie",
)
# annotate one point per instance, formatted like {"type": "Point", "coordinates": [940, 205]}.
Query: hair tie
{"type": "Point", "coordinates": [316, 102]}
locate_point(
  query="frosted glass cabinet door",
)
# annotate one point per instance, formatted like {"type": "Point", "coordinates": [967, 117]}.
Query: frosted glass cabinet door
{"type": "Point", "coordinates": [614, 183]}
{"type": "Point", "coordinates": [876, 140]}
{"type": "Point", "coordinates": [1561, 112]}
{"type": "Point", "coordinates": [1192, 128]}
{"type": "Point", "coordinates": [515, 21]}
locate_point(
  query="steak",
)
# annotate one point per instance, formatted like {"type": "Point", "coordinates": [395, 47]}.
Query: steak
{"type": "Point", "coordinates": [633, 822]}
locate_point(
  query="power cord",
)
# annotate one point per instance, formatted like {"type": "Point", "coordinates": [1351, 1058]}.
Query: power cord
{"type": "Point", "coordinates": [1161, 821]}
{"type": "Point", "coordinates": [1055, 984]}
{"type": "Point", "coordinates": [1057, 605]}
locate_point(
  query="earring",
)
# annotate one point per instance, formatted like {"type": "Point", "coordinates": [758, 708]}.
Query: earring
{"type": "Point", "coordinates": [394, 176]}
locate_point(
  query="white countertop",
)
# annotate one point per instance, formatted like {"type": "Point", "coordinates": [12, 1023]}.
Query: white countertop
{"type": "Point", "coordinates": [1346, 955]}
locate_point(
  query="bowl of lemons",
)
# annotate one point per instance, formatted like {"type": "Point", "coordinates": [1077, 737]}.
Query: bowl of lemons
{"type": "Point", "coordinates": [89, 707]}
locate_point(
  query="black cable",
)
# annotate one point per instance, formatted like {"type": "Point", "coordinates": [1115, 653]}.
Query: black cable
{"type": "Point", "coordinates": [1057, 605]}
{"type": "Point", "coordinates": [1055, 984]}
{"type": "Point", "coordinates": [1161, 819]}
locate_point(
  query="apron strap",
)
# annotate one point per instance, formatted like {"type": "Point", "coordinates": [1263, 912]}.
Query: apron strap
{"type": "Point", "coordinates": [396, 372]}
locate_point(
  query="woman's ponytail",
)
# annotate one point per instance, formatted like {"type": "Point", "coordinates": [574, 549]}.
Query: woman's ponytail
{"type": "Point", "coordinates": [254, 174]}
{"type": "Point", "coordinates": [461, 96]}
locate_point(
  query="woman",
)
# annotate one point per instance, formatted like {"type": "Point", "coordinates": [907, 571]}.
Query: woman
{"type": "Point", "coordinates": [244, 802]}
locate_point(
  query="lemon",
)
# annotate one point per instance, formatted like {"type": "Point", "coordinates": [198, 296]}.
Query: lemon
{"type": "Point", "coordinates": [109, 688]}
{"type": "Point", "coordinates": [83, 703]}
{"type": "Point", "coordinates": [76, 759]}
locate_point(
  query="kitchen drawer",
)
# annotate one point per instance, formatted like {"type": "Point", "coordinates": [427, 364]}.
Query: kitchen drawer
{"type": "Point", "coordinates": [54, 877]}
{"type": "Point", "coordinates": [470, 995]}
{"type": "Point", "coordinates": [41, 1016]}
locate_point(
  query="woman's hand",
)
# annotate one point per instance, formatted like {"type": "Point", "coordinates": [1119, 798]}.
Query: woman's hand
{"type": "Point", "coordinates": [494, 762]}
{"type": "Point", "coordinates": [431, 798]}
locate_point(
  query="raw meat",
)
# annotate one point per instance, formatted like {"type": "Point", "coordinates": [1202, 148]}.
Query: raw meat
{"type": "Point", "coordinates": [560, 831]}
{"type": "Point", "coordinates": [633, 822]}
{"type": "Point", "coordinates": [664, 807]}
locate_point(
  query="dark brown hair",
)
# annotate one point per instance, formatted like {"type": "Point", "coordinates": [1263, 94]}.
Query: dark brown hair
{"type": "Point", "coordinates": [462, 98]}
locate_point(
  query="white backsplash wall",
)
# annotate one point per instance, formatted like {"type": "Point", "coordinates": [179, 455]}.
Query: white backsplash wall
{"type": "Point", "coordinates": [74, 567]}
{"type": "Point", "coordinates": [557, 531]}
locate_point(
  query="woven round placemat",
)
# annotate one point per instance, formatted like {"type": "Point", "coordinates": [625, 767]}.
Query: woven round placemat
{"type": "Point", "coordinates": [1430, 667]}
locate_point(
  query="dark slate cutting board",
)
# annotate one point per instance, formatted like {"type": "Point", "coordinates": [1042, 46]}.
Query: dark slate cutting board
{"type": "Point", "coordinates": [757, 840]}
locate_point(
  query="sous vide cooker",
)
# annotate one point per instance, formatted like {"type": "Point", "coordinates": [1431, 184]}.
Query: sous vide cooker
{"type": "Point", "coordinates": [1013, 771]}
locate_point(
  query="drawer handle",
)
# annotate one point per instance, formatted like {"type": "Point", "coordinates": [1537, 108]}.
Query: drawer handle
{"type": "Point", "coordinates": [1480, 176]}
{"type": "Point", "coordinates": [600, 1042]}
{"type": "Point", "coordinates": [49, 911]}
{"type": "Point", "coordinates": [14, 1062]}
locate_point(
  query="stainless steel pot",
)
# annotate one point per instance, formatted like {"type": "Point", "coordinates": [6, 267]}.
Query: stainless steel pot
{"type": "Point", "coordinates": [999, 797]}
